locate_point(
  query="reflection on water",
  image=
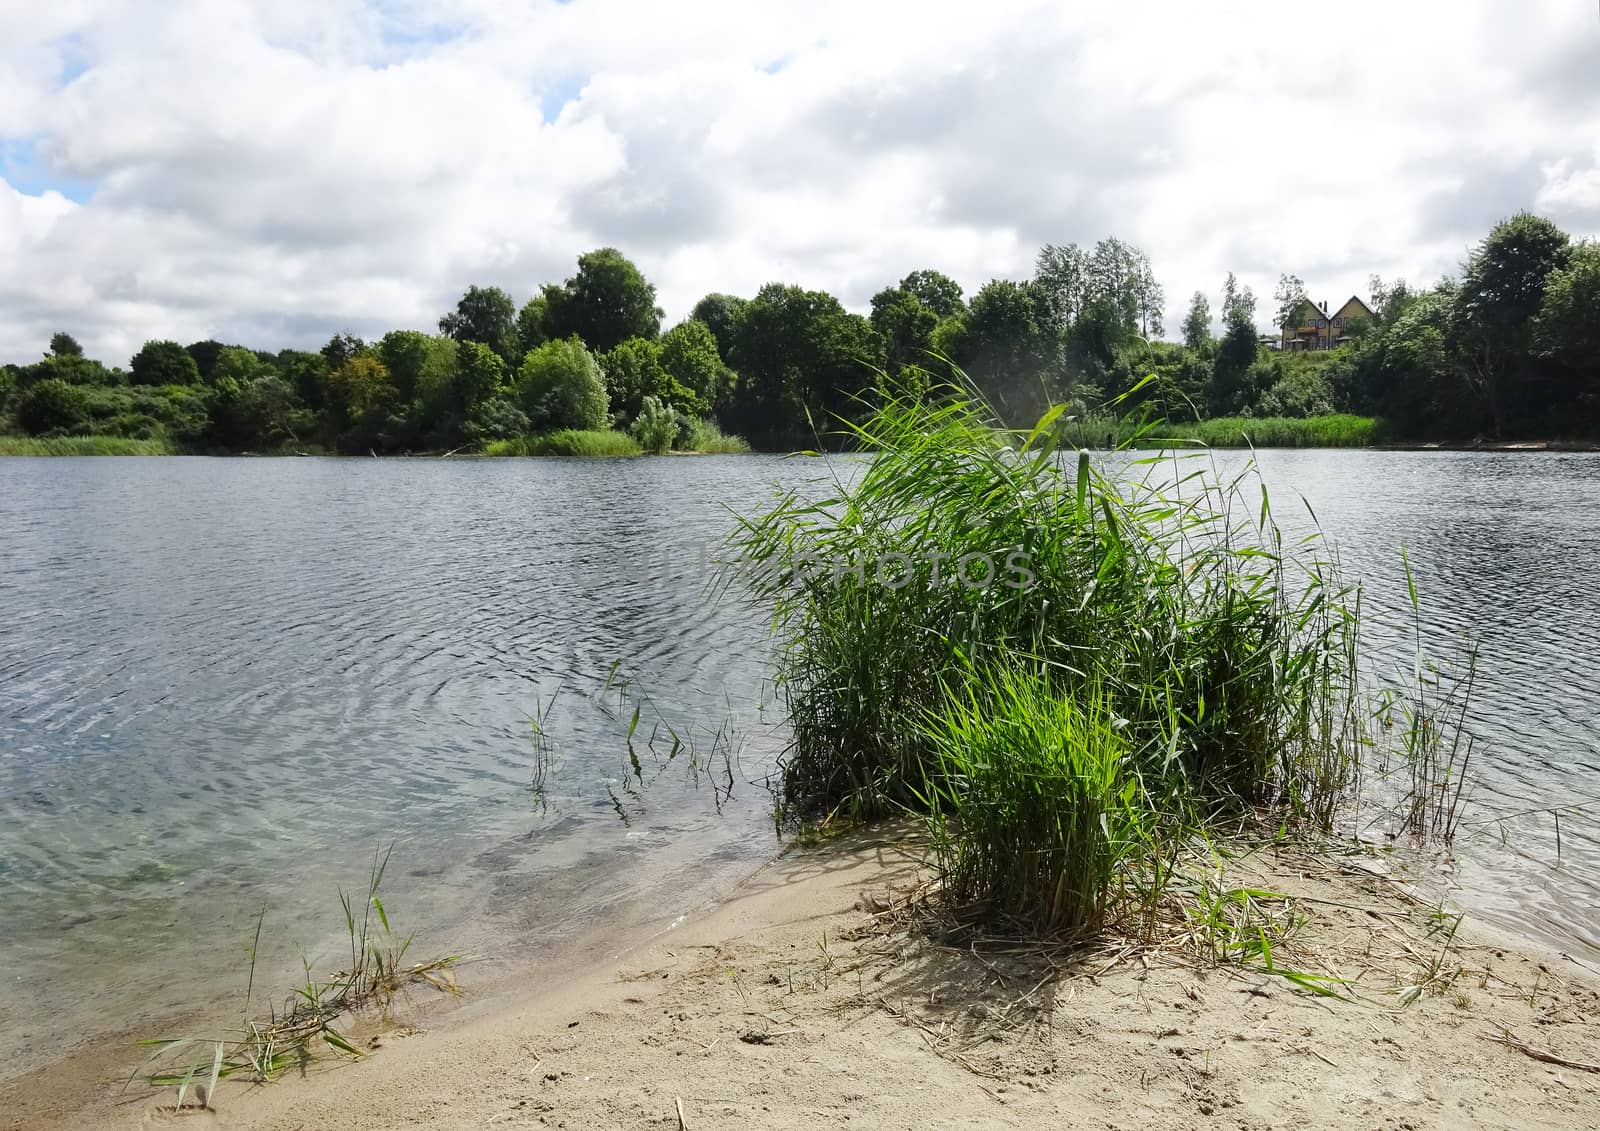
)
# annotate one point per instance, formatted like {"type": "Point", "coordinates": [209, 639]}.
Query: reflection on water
{"type": "Point", "coordinates": [224, 682]}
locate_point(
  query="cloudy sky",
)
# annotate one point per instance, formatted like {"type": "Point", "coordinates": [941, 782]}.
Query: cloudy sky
{"type": "Point", "coordinates": [274, 171]}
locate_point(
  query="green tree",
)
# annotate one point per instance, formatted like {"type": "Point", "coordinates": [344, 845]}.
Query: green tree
{"type": "Point", "coordinates": [1424, 390]}
{"type": "Point", "coordinates": [341, 348]}
{"type": "Point", "coordinates": [691, 357]}
{"type": "Point", "coordinates": [1502, 289]}
{"type": "Point", "coordinates": [936, 291]}
{"type": "Point", "coordinates": [421, 368]}
{"type": "Point", "coordinates": [360, 389]}
{"type": "Point", "coordinates": [163, 363]}
{"type": "Point", "coordinates": [1567, 327]}
{"type": "Point", "coordinates": [1231, 391]}
{"type": "Point", "coordinates": [307, 375]}
{"type": "Point", "coordinates": [635, 370]}
{"type": "Point", "coordinates": [1061, 280]}
{"type": "Point", "coordinates": [1008, 348]}
{"type": "Point", "coordinates": [1197, 323]}
{"type": "Point", "coordinates": [486, 315]}
{"type": "Point", "coordinates": [251, 413]}
{"type": "Point", "coordinates": [53, 407]}
{"type": "Point", "coordinates": [1288, 296]}
{"type": "Point", "coordinates": [906, 326]}
{"type": "Point", "coordinates": [479, 375]}
{"type": "Point", "coordinates": [802, 361]}
{"type": "Point", "coordinates": [560, 386]}
{"type": "Point", "coordinates": [533, 321]}
{"type": "Point", "coordinates": [205, 354]}
{"type": "Point", "coordinates": [721, 314]}
{"type": "Point", "coordinates": [63, 344]}
{"type": "Point", "coordinates": [607, 302]}
{"type": "Point", "coordinates": [235, 363]}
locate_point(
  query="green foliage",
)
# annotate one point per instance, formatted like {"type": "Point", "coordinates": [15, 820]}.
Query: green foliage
{"type": "Point", "coordinates": [495, 418]}
{"type": "Point", "coordinates": [656, 426]}
{"type": "Point", "coordinates": [53, 407]}
{"type": "Point", "coordinates": [479, 374]}
{"type": "Point", "coordinates": [635, 371]}
{"type": "Point", "coordinates": [1005, 343]}
{"type": "Point", "coordinates": [533, 323]}
{"type": "Point", "coordinates": [906, 327]}
{"type": "Point", "coordinates": [587, 443]}
{"type": "Point", "coordinates": [1236, 352]}
{"type": "Point", "coordinates": [63, 344]}
{"type": "Point", "coordinates": [1290, 296]}
{"type": "Point", "coordinates": [691, 357]}
{"type": "Point", "coordinates": [560, 386]}
{"type": "Point", "coordinates": [607, 302]}
{"type": "Point", "coordinates": [163, 363]}
{"type": "Point", "coordinates": [1491, 317]}
{"type": "Point", "coordinates": [1197, 323]}
{"type": "Point", "coordinates": [935, 291]}
{"type": "Point", "coordinates": [74, 369]}
{"type": "Point", "coordinates": [802, 359]}
{"type": "Point", "coordinates": [485, 315]}
{"type": "Point", "coordinates": [721, 315]}
{"type": "Point", "coordinates": [235, 363]}
{"type": "Point", "coordinates": [1296, 389]}
{"type": "Point", "coordinates": [1568, 325]}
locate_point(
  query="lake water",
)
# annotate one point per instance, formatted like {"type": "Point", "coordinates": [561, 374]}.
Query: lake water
{"type": "Point", "coordinates": [225, 683]}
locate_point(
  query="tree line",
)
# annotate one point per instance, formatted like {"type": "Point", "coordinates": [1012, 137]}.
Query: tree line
{"type": "Point", "coordinates": [1510, 347]}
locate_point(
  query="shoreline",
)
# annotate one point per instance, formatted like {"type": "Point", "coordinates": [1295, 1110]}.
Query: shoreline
{"type": "Point", "coordinates": [813, 994]}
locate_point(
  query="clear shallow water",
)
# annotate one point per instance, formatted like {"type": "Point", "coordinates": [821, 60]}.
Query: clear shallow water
{"type": "Point", "coordinates": [223, 683]}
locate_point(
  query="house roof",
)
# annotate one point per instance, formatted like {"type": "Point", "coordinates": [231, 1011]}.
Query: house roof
{"type": "Point", "coordinates": [1322, 312]}
{"type": "Point", "coordinates": [1357, 300]}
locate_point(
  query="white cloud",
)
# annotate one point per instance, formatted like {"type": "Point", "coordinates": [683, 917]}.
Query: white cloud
{"type": "Point", "coordinates": [271, 172]}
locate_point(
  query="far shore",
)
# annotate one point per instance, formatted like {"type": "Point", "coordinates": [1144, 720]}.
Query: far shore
{"type": "Point", "coordinates": [819, 995]}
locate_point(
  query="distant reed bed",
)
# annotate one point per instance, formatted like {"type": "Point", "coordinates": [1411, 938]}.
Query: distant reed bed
{"type": "Point", "coordinates": [567, 442]}
{"type": "Point", "coordinates": [83, 446]}
{"type": "Point", "coordinates": [1341, 430]}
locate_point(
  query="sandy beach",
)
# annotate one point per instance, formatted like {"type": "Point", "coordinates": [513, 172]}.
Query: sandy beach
{"type": "Point", "coordinates": [818, 996]}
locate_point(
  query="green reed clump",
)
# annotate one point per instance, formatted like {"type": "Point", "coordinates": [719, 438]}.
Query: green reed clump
{"type": "Point", "coordinates": [567, 442]}
{"type": "Point", "coordinates": [705, 436]}
{"type": "Point", "coordinates": [1036, 805]}
{"type": "Point", "coordinates": [1225, 656]}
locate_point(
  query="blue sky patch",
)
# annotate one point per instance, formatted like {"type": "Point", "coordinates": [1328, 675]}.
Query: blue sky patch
{"type": "Point", "coordinates": [25, 170]}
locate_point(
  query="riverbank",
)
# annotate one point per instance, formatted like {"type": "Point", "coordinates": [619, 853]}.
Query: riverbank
{"type": "Point", "coordinates": [818, 994]}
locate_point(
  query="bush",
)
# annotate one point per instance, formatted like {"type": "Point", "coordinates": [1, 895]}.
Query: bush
{"type": "Point", "coordinates": [53, 407]}
{"type": "Point", "coordinates": [560, 386]}
{"type": "Point", "coordinates": [656, 427]}
{"type": "Point", "coordinates": [496, 418]}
